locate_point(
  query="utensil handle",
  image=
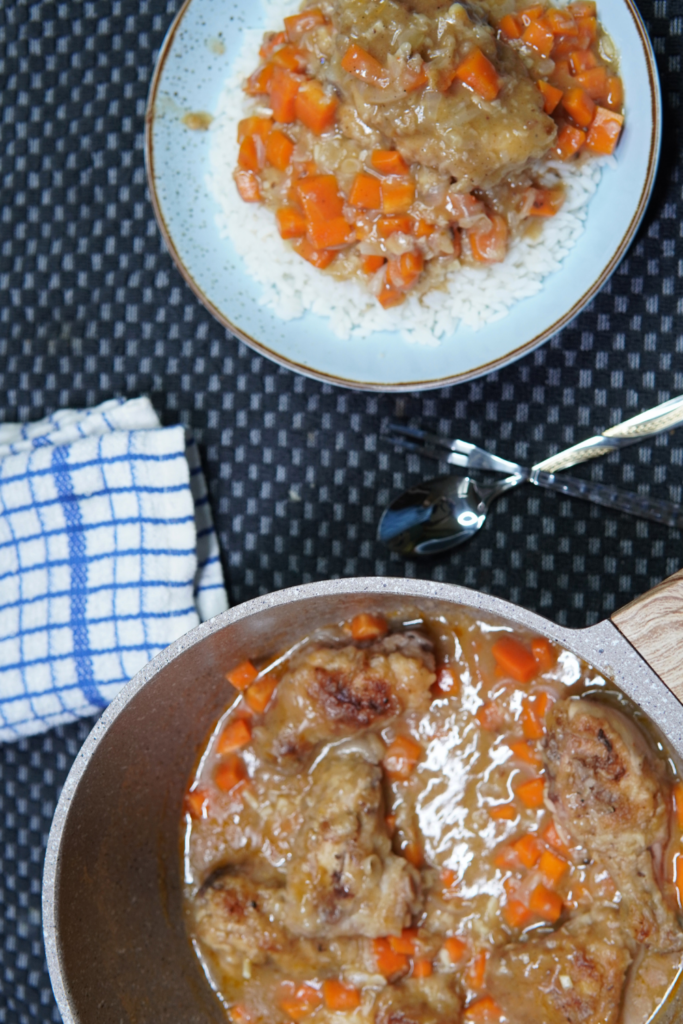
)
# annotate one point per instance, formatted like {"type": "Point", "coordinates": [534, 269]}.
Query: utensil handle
{"type": "Point", "coordinates": [645, 424]}
{"type": "Point", "coordinates": [653, 624]}
{"type": "Point", "coordinates": [611, 497]}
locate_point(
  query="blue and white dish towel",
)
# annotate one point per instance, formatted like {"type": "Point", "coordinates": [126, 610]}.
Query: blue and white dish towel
{"type": "Point", "coordinates": [107, 554]}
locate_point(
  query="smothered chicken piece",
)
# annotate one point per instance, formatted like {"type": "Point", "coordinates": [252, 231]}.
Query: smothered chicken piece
{"type": "Point", "coordinates": [610, 792]}
{"type": "Point", "coordinates": [572, 976]}
{"type": "Point", "coordinates": [343, 878]}
{"type": "Point", "coordinates": [331, 692]}
{"type": "Point", "coordinates": [430, 1000]}
{"type": "Point", "coordinates": [238, 920]}
{"type": "Point", "coordinates": [448, 127]}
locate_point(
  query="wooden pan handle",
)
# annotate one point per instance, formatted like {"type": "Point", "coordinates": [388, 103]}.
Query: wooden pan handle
{"type": "Point", "coordinates": [653, 623]}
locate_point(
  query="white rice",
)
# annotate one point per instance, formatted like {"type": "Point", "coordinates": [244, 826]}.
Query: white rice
{"type": "Point", "coordinates": [475, 295]}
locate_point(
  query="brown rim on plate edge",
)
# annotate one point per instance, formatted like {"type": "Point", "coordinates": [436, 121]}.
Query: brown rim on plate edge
{"type": "Point", "coordinates": [459, 378]}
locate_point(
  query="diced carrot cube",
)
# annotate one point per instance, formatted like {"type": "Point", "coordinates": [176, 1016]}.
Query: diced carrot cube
{"type": "Point", "coordinates": [389, 225]}
{"type": "Point", "coordinates": [242, 675]}
{"type": "Point", "coordinates": [230, 772]}
{"type": "Point", "coordinates": [604, 132]}
{"type": "Point", "coordinates": [391, 965]}
{"type": "Point", "coordinates": [506, 859]}
{"type": "Point", "coordinates": [449, 879]}
{"type": "Point", "coordinates": [522, 750]}
{"type": "Point", "coordinates": [569, 141]}
{"type": "Point", "coordinates": [482, 1011]}
{"type": "Point", "coordinates": [582, 60]}
{"type": "Point", "coordinates": [583, 8]}
{"type": "Point", "coordinates": [551, 837]}
{"type": "Point", "coordinates": [289, 57]}
{"type": "Point", "coordinates": [516, 914]}
{"type": "Point", "coordinates": [511, 26]}
{"type": "Point", "coordinates": [551, 95]}
{"type": "Point", "coordinates": [270, 44]}
{"type": "Point", "coordinates": [257, 84]}
{"type": "Point", "coordinates": [239, 1014]}
{"type": "Point", "coordinates": [528, 849]}
{"type": "Point", "coordinates": [248, 186]}
{"type": "Point", "coordinates": [336, 994]}
{"type": "Point", "coordinates": [490, 245]}
{"type": "Point", "coordinates": [515, 658]}
{"type": "Point", "coordinates": [330, 234]}
{"type": "Point", "coordinates": [259, 693]}
{"type": "Point", "coordinates": [455, 948]}
{"type": "Point", "coordinates": [532, 723]}
{"type": "Point", "coordinates": [315, 108]}
{"type": "Point", "coordinates": [368, 627]}
{"type": "Point", "coordinates": [389, 297]}
{"type": "Point", "coordinates": [552, 867]}
{"type": "Point", "coordinates": [476, 970]}
{"type": "Point", "coordinates": [422, 968]}
{"type": "Point", "coordinates": [478, 73]}
{"type": "Point", "coordinates": [388, 161]}
{"type": "Point", "coordinates": [248, 155]}
{"type": "Point", "coordinates": [561, 22]}
{"type": "Point", "coordinates": [398, 194]}
{"type": "Point", "coordinates": [490, 716]}
{"type": "Point", "coordinates": [503, 812]}
{"type": "Point", "coordinates": [404, 271]}
{"type": "Point", "coordinates": [365, 192]}
{"type": "Point", "coordinates": [562, 76]}
{"type": "Point", "coordinates": [299, 1001]}
{"type": "Point", "coordinates": [401, 757]}
{"type": "Point", "coordinates": [279, 149]}
{"type": "Point", "coordinates": [615, 92]}
{"type": "Point", "coordinates": [678, 803]}
{"type": "Point", "coordinates": [546, 202]}
{"type": "Point", "coordinates": [254, 126]}
{"type": "Point", "coordinates": [545, 904]}
{"type": "Point", "coordinates": [423, 229]}
{"type": "Point", "coordinates": [447, 682]}
{"type": "Point", "coordinates": [405, 942]}
{"type": "Point", "coordinates": [531, 793]}
{"type": "Point", "coordinates": [282, 89]}
{"type": "Point", "coordinates": [235, 735]}
{"type": "Point", "coordinates": [588, 26]}
{"type": "Point", "coordinates": [413, 78]}
{"type": "Point", "coordinates": [544, 653]}
{"type": "Point", "coordinates": [291, 223]}
{"type": "Point", "coordinates": [320, 258]}
{"type": "Point", "coordinates": [579, 106]}
{"type": "Point", "coordinates": [539, 36]}
{"type": "Point", "coordinates": [196, 803]}
{"type": "Point", "coordinates": [297, 25]}
{"type": "Point", "coordinates": [357, 61]}
{"type": "Point", "coordinates": [319, 197]}
{"type": "Point", "coordinates": [371, 264]}
{"type": "Point", "coordinates": [530, 14]}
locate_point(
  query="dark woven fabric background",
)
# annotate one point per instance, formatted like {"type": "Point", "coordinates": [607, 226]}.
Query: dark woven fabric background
{"type": "Point", "coordinates": [92, 307]}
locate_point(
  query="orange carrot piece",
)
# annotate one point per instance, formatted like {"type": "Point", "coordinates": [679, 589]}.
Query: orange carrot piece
{"type": "Point", "coordinates": [514, 658]}
{"type": "Point", "coordinates": [551, 837]}
{"type": "Point", "coordinates": [546, 202]}
{"type": "Point", "coordinates": [455, 948]}
{"type": "Point", "coordinates": [569, 141]}
{"type": "Point", "coordinates": [678, 877]}
{"type": "Point", "coordinates": [388, 225]}
{"type": "Point", "coordinates": [503, 812]}
{"type": "Point", "coordinates": [336, 994]}
{"type": "Point", "coordinates": [561, 22]}
{"type": "Point", "coordinates": [388, 161]}
{"type": "Point", "coordinates": [478, 73]}
{"type": "Point", "coordinates": [398, 194]}
{"type": "Point", "coordinates": [235, 735]}
{"type": "Point", "coordinates": [239, 1014]}
{"type": "Point", "coordinates": [248, 155]}
{"type": "Point", "coordinates": [196, 803]}
{"type": "Point", "coordinates": [230, 772]}
{"type": "Point", "coordinates": [511, 26]}
{"type": "Point", "coordinates": [422, 968]}
{"type": "Point", "coordinates": [530, 14]}
{"type": "Point", "coordinates": [531, 793]}
{"type": "Point", "coordinates": [544, 653]}
{"type": "Point", "coordinates": [315, 108]}
{"type": "Point", "coordinates": [258, 83]}
{"type": "Point", "coordinates": [357, 61]}
{"type": "Point", "coordinates": [279, 149]}
{"type": "Point", "coordinates": [516, 914]}
{"type": "Point", "coordinates": [482, 1011]}
{"type": "Point", "coordinates": [405, 942]}
{"type": "Point", "coordinates": [615, 92]}
{"type": "Point", "coordinates": [282, 89]}
{"type": "Point", "coordinates": [319, 258]}
{"type": "Point", "coordinates": [583, 8]}
{"type": "Point", "coordinates": [490, 246]}
{"type": "Point", "coordinates": [678, 803]}
{"type": "Point", "coordinates": [539, 36]}
{"type": "Point", "coordinates": [447, 683]}
{"type": "Point", "coordinates": [579, 106]}
{"type": "Point", "coordinates": [528, 850]}
{"type": "Point", "coordinates": [389, 297]}
{"type": "Point", "coordinates": [248, 186]}
{"type": "Point", "coordinates": [404, 271]}
{"type": "Point", "coordinates": [289, 57]}
{"type": "Point", "coordinates": [413, 78]}
{"type": "Point", "coordinates": [551, 96]}
{"type": "Point", "coordinates": [532, 723]}
{"type": "Point", "coordinates": [242, 675]}
{"type": "Point", "coordinates": [298, 25]}
{"type": "Point", "coordinates": [390, 964]}
{"type": "Point", "coordinates": [271, 43]}
{"type": "Point", "coordinates": [476, 970]}
{"type": "Point", "coordinates": [545, 904]}
{"type": "Point", "coordinates": [401, 756]}
{"type": "Point", "coordinates": [371, 264]}
{"type": "Point", "coordinates": [254, 126]}
{"type": "Point", "coordinates": [330, 234]}
{"type": "Point", "coordinates": [413, 854]}
{"type": "Point", "coordinates": [589, 27]}
{"type": "Point", "coordinates": [423, 229]}
{"type": "Point", "coordinates": [604, 132]}
{"type": "Point", "coordinates": [582, 60]}
{"type": "Point", "coordinates": [490, 717]}
{"type": "Point", "coordinates": [448, 877]}
{"type": "Point", "coordinates": [299, 1001]}
{"type": "Point", "coordinates": [553, 868]}
{"type": "Point", "coordinates": [526, 753]}
{"type": "Point", "coordinates": [365, 192]}
{"type": "Point", "coordinates": [259, 693]}
{"type": "Point", "coordinates": [320, 198]}
{"type": "Point", "coordinates": [291, 223]}
{"type": "Point", "coordinates": [368, 627]}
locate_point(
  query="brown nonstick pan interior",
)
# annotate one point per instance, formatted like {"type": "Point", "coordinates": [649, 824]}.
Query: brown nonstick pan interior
{"type": "Point", "coordinates": [116, 944]}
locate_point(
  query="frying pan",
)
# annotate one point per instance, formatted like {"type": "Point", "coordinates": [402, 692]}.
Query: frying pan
{"type": "Point", "coordinates": [116, 946]}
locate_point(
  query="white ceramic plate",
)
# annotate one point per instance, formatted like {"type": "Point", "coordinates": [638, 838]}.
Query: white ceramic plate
{"type": "Point", "coordinates": [195, 60]}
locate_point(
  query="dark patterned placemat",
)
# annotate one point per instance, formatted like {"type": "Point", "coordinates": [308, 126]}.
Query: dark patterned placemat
{"type": "Point", "coordinates": [91, 307]}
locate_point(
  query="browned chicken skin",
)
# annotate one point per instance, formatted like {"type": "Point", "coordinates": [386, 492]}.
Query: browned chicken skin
{"type": "Point", "coordinates": [430, 1000]}
{"type": "Point", "coordinates": [610, 792]}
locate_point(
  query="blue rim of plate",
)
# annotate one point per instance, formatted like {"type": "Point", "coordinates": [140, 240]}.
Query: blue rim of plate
{"type": "Point", "coordinates": [425, 385]}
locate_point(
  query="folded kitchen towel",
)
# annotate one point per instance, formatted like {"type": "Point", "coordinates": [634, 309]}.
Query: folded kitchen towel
{"type": "Point", "coordinates": [107, 554]}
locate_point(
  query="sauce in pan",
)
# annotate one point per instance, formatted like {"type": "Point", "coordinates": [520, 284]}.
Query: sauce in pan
{"type": "Point", "coordinates": [452, 820]}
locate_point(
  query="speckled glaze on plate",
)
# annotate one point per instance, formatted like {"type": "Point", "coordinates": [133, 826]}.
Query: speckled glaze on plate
{"type": "Point", "coordinates": [194, 62]}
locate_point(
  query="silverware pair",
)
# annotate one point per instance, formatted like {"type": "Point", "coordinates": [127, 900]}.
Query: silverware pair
{"type": "Point", "coordinates": [447, 511]}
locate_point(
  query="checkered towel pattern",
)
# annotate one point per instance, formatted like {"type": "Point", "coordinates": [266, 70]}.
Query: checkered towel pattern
{"type": "Point", "coordinates": [107, 554]}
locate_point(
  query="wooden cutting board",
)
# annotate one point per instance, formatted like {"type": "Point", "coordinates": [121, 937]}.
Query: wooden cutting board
{"type": "Point", "coordinates": [653, 624]}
